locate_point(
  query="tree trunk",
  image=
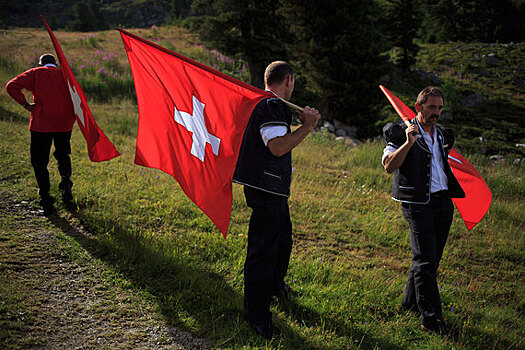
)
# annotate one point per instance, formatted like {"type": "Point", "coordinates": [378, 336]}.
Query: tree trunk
{"type": "Point", "coordinates": [256, 77]}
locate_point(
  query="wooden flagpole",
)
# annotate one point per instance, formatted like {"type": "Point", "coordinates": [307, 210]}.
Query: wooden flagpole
{"type": "Point", "coordinates": [300, 109]}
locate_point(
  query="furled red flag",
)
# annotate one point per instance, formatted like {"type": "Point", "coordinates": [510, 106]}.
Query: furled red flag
{"type": "Point", "coordinates": [191, 122]}
{"type": "Point", "coordinates": [99, 147]}
{"type": "Point", "coordinates": [477, 199]}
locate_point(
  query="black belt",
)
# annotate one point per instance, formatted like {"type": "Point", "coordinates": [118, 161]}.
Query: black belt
{"type": "Point", "coordinates": [442, 193]}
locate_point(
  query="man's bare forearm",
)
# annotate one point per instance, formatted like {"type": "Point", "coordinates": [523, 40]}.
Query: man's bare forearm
{"type": "Point", "coordinates": [281, 145]}
{"type": "Point", "coordinates": [396, 158]}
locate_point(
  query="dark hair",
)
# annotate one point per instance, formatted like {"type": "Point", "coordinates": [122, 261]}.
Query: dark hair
{"type": "Point", "coordinates": [276, 72]}
{"type": "Point", "coordinates": [429, 91]}
{"type": "Point", "coordinates": [46, 59]}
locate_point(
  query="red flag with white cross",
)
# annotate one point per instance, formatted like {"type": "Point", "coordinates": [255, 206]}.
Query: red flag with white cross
{"type": "Point", "coordinates": [478, 197]}
{"type": "Point", "coordinates": [99, 147]}
{"type": "Point", "coordinates": [191, 123]}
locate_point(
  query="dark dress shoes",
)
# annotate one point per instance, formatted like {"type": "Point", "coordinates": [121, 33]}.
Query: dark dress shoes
{"type": "Point", "coordinates": [267, 330]}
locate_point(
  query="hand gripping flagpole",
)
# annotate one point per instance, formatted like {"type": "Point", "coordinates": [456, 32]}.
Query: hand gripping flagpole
{"type": "Point", "coordinates": [404, 112]}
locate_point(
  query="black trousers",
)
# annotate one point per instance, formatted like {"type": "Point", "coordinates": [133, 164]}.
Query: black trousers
{"type": "Point", "coordinates": [268, 256]}
{"type": "Point", "coordinates": [429, 228]}
{"type": "Point", "coordinates": [40, 148]}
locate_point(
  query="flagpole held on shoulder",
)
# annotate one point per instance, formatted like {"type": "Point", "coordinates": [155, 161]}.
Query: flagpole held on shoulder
{"type": "Point", "coordinates": [294, 106]}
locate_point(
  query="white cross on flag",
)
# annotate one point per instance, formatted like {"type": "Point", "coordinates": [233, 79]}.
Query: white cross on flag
{"type": "Point", "coordinates": [195, 124]}
{"type": "Point", "coordinates": [99, 147]}
{"type": "Point", "coordinates": [191, 122]}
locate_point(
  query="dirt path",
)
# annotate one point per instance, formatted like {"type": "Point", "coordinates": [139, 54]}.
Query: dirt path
{"type": "Point", "coordinates": [68, 306]}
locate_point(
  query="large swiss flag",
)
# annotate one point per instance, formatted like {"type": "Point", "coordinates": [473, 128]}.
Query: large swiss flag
{"type": "Point", "coordinates": [99, 147]}
{"type": "Point", "coordinates": [478, 197]}
{"type": "Point", "coordinates": [191, 123]}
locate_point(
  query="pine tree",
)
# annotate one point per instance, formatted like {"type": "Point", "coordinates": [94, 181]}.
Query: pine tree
{"type": "Point", "coordinates": [85, 20]}
{"type": "Point", "coordinates": [338, 49]}
{"type": "Point", "coordinates": [249, 29]}
{"type": "Point", "coordinates": [404, 20]}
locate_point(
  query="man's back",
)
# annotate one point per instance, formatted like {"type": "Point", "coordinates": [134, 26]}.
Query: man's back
{"type": "Point", "coordinates": [53, 111]}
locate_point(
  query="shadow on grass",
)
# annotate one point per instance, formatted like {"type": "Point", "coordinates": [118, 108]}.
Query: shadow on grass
{"type": "Point", "coordinates": [190, 296]}
{"type": "Point", "coordinates": [311, 318]}
{"type": "Point", "coordinates": [10, 116]}
{"type": "Point", "coordinates": [475, 338]}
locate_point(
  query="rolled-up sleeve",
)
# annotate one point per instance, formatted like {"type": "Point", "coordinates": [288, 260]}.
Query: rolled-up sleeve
{"type": "Point", "coordinates": [388, 149]}
{"type": "Point", "coordinates": [271, 132]}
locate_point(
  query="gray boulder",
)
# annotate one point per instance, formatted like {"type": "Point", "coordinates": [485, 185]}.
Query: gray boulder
{"type": "Point", "coordinates": [328, 126]}
{"type": "Point", "coordinates": [491, 60]}
{"type": "Point", "coordinates": [472, 100]}
{"type": "Point", "coordinates": [349, 130]}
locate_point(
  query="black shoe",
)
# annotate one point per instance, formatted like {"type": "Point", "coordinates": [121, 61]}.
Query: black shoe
{"type": "Point", "coordinates": [67, 196]}
{"type": "Point", "coordinates": [267, 330]}
{"type": "Point", "coordinates": [437, 326]}
{"type": "Point", "coordinates": [46, 199]}
{"type": "Point", "coordinates": [49, 209]}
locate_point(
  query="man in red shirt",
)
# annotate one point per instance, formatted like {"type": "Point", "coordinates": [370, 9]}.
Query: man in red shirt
{"type": "Point", "coordinates": [52, 119]}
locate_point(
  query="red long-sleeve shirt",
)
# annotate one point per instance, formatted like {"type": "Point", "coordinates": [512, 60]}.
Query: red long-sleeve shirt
{"type": "Point", "coordinates": [53, 111]}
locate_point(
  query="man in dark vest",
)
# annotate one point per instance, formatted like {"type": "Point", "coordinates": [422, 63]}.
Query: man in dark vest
{"type": "Point", "coordinates": [424, 184]}
{"type": "Point", "coordinates": [264, 168]}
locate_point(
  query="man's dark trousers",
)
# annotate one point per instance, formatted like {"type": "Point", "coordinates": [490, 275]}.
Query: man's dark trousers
{"type": "Point", "coordinates": [269, 248]}
{"type": "Point", "coordinates": [40, 148]}
{"type": "Point", "coordinates": [429, 228]}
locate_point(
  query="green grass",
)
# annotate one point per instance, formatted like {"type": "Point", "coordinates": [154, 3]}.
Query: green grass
{"type": "Point", "coordinates": [351, 252]}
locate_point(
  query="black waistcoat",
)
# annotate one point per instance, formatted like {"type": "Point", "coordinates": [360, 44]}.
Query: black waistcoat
{"type": "Point", "coordinates": [257, 167]}
{"type": "Point", "coordinates": [411, 182]}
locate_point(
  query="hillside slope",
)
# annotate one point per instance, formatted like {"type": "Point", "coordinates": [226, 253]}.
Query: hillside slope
{"type": "Point", "coordinates": [484, 86]}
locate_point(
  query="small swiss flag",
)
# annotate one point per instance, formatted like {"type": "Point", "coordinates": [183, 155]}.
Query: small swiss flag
{"type": "Point", "coordinates": [99, 147]}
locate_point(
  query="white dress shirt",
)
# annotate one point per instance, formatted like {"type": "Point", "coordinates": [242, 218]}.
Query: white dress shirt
{"type": "Point", "coordinates": [272, 131]}
{"type": "Point", "coordinates": [438, 178]}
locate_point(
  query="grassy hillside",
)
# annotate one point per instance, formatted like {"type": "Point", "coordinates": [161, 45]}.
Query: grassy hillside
{"type": "Point", "coordinates": [351, 251]}
{"type": "Point", "coordinates": [494, 71]}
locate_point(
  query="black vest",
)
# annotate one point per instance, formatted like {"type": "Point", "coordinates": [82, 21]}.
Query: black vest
{"type": "Point", "coordinates": [412, 179]}
{"type": "Point", "coordinates": [257, 167]}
